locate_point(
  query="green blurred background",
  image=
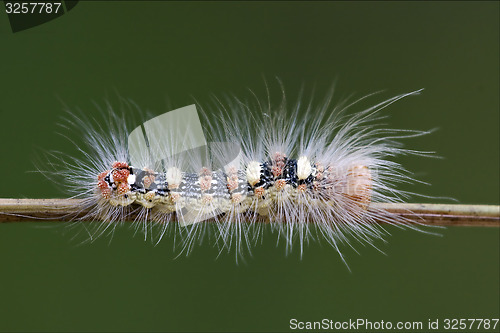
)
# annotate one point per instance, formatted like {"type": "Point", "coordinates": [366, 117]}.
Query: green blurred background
{"type": "Point", "coordinates": [162, 53]}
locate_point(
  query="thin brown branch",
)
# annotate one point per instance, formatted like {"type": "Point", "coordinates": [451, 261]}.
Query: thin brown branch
{"type": "Point", "coordinates": [445, 215]}
{"type": "Point", "coordinates": [46, 210]}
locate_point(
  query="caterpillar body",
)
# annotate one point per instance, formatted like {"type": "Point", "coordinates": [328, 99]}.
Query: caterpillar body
{"type": "Point", "coordinates": [308, 175]}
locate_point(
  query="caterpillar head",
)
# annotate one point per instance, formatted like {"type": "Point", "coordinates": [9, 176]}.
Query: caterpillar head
{"type": "Point", "coordinates": [114, 185]}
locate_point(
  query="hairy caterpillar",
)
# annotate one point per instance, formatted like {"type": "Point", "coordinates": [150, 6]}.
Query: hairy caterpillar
{"type": "Point", "coordinates": [309, 171]}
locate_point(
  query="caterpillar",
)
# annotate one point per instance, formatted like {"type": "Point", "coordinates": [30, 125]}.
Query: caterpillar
{"type": "Point", "coordinates": [223, 172]}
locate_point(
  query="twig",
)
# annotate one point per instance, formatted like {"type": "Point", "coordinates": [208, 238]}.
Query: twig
{"type": "Point", "coordinates": [445, 215]}
{"type": "Point", "coordinates": [45, 210]}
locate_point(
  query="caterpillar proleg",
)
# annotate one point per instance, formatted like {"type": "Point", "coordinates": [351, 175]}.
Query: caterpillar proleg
{"type": "Point", "coordinates": [308, 171]}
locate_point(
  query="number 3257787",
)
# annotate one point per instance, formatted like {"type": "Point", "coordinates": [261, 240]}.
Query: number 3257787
{"type": "Point", "coordinates": [32, 7]}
